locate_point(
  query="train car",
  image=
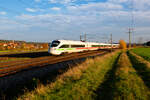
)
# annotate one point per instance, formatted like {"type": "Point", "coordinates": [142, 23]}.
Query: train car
{"type": "Point", "coordinates": [58, 47]}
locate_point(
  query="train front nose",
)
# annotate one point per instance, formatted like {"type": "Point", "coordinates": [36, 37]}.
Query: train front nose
{"type": "Point", "coordinates": [54, 51]}
{"type": "Point", "coordinates": [51, 50]}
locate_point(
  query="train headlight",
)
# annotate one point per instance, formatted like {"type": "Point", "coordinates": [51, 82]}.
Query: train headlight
{"type": "Point", "coordinates": [53, 48]}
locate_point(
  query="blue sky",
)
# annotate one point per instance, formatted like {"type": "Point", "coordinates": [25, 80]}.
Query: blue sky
{"type": "Point", "coordinates": [46, 20]}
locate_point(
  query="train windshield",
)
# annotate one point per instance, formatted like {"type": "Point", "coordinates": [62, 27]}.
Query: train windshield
{"type": "Point", "coordinates": [55, 43]}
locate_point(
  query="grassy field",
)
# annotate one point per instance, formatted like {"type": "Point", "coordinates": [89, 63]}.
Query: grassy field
{"type": "Point", "coordinates": [143, 52]}
{"type": "Point", "coordinates": [117, 76]}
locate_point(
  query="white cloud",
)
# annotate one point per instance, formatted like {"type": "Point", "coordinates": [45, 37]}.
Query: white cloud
{"type": "Point", "coordinates": [61, 1]}
{"type": "Point", "coordinates": [137, 4]}
{"type": "Point", "coordinates": [118, 1]}
{"type": "Point", "coordinates": [31, 10]}
{"type": "Point", "coordinates": [96, 7]}
{"type": "Point", "coordinates": [141, 4]}
{"type": "Point", "coordinates": [3, 13]}
{"type": "Point", "coordinates": [56, 8]}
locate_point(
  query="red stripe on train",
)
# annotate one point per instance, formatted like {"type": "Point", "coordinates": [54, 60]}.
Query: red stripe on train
{"type": "Point", "coordinates": [92, 47]}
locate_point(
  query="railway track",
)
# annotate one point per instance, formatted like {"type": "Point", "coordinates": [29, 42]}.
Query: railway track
{"type": "Point", "coordinates": [17, 66]}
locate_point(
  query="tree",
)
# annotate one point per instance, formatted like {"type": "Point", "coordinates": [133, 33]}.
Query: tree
{"type": "Point", "coordinates": [123, 44]}
{"type": "Point", "coordinates": [148, 43]}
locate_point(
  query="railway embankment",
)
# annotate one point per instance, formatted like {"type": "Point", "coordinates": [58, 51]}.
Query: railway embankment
{"type": "Point", "coordinates": [30, 79]}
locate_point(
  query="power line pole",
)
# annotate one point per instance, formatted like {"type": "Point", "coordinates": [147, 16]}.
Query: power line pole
{"type": "Point", "coordinates": [80, 37]}
{"type": "Point", "coordinates": [130, 31]}
{"type": "Point", "coordinates": [85, 38]}
{"type": "Point", "coordinates": [132, 24]}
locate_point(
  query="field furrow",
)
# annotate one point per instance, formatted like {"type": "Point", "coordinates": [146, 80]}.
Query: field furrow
{"type": "Point", "coordinates": [142, 66]}
{"type": "Point", "coordinates": [128, 85]}
{"type": "Point", "coordinates": [123, 83]}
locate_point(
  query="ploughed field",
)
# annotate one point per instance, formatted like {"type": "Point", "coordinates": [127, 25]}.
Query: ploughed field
{"type": "Point", "coordinates": [121, 75]}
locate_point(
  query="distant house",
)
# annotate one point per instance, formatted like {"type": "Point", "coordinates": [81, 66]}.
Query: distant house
{"type": "Point", "coordinates": [29, 46]}
{"type": "Point", "coordinates": [5, 44]}
{"type": "Point", "coordinates": [12, 44]}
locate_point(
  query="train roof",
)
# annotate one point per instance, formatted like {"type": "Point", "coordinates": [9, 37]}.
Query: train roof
{"type": "Point", "coordinates": [71, 42]}
{"type": "Point", "coordinates": [81, 42]}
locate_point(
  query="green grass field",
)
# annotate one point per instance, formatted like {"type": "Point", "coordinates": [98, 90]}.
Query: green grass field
{"type": "Point", "coordinates": [143, 52]}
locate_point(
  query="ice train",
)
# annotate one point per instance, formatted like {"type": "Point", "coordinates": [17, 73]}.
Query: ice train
{"type": "Point", "coordinates": [58, 47]}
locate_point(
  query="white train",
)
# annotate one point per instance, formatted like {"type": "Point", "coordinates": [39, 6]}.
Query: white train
{"type": "Point", "coordinates": [58, 47]}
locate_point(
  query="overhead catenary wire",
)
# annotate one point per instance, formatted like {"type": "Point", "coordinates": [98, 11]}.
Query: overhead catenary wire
{"type": "Point", "coordinates": [95, 37]}
{"type": "Point", "coordinates": [132, 20]}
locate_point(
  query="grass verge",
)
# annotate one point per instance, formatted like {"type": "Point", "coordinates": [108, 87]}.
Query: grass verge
{"type": "Point", "coordinates": [142, 66]}
{"type": "Point", "coordinates": [77, 83]}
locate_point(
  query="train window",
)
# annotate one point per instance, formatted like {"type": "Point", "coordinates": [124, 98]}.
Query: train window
{"type": "Point", "coordinates": [94, 46]}
{"type": "Point", "coordinates": [77, 46]}
{"type": "Point", "coordinates": [55, 43]}
{"type": "Point", "coordinates": [64, 46]}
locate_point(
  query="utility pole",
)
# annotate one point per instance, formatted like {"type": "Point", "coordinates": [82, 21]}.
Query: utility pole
{"type": "Point", "coordinates": [130, 31]}
{"type": "Point", "coordinates": [85, 37]}
{"type": "Point", "coordinates": [80, 37]}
